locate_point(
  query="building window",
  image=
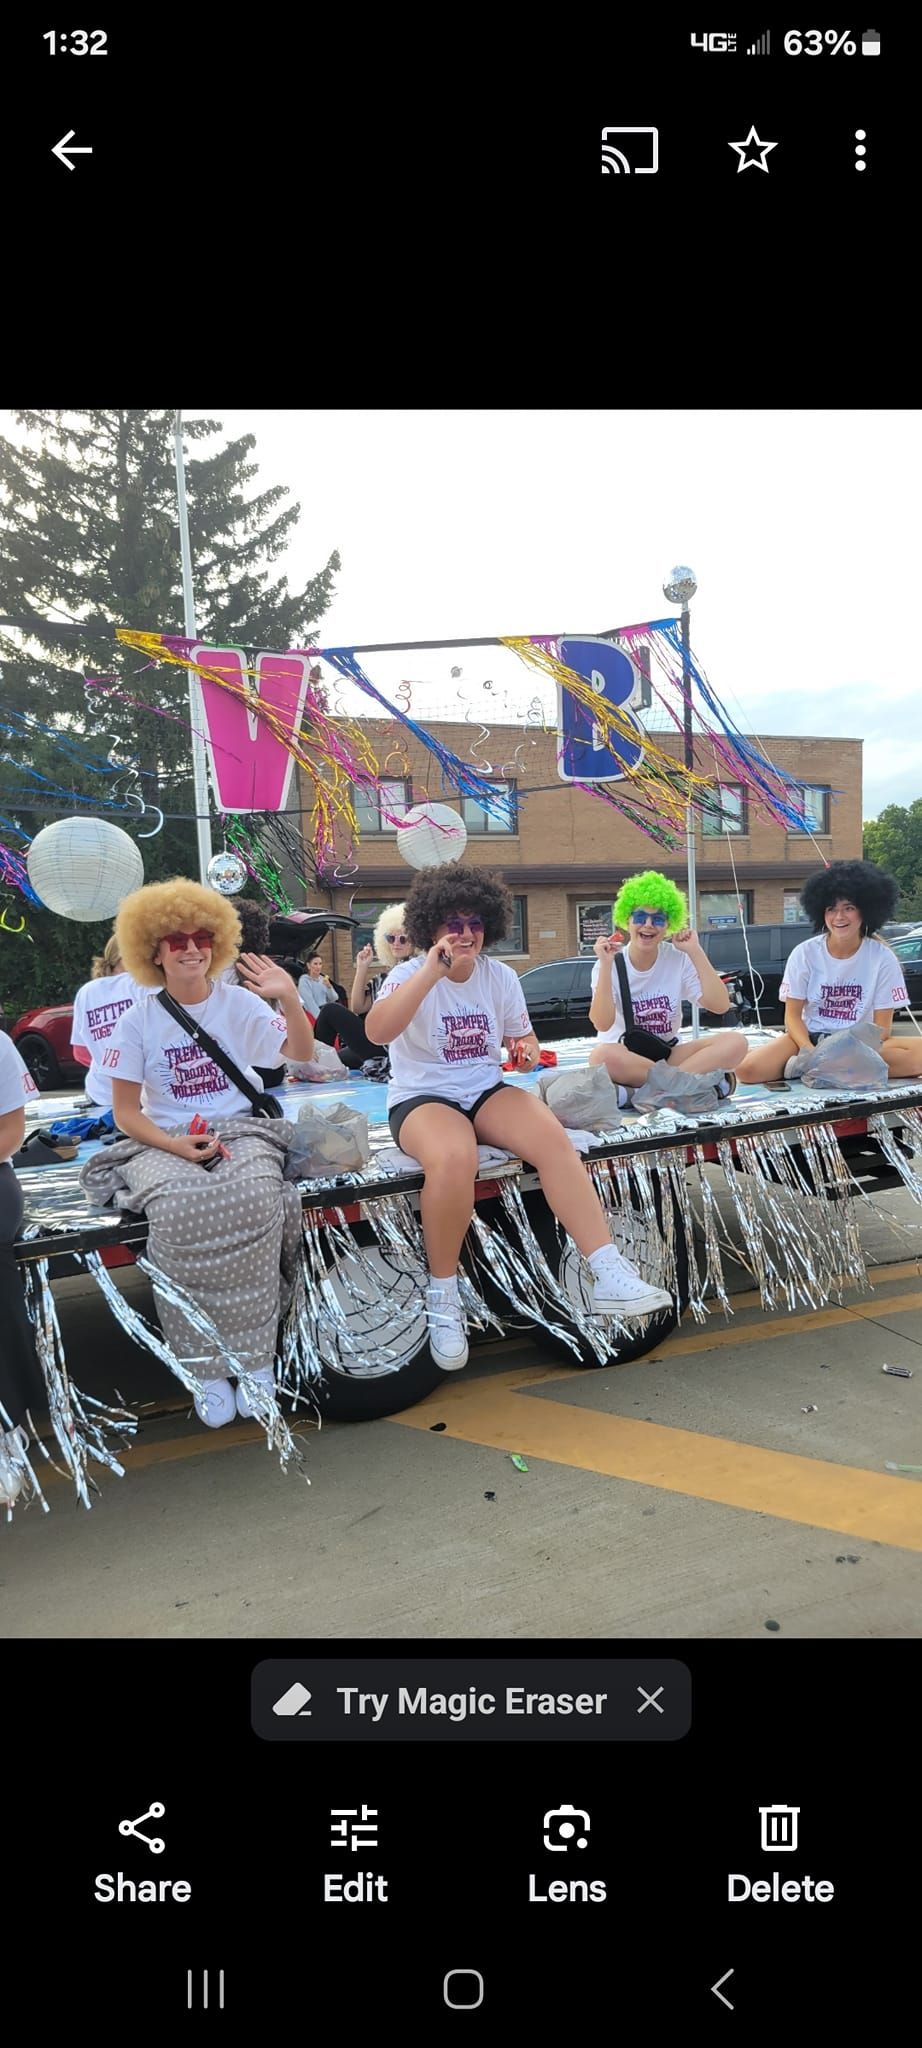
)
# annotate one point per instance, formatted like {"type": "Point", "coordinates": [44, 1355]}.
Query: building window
{"type": "Point", "coordinates": [517, 942]}
{"type": "Point", "coordinates": [593, 921]}
{"type": "Point", "coordinates": [380, 809]}
{"type": "Point", "coordinates": [727, 812]}
{"type": "Point", "coordinates": [715, 909]}
{"type": "Point", "coordinates": [478, 820]}
{"type": "Point", "coordinates": [794, 912]}
{"type": "Point", "coordinates": [816, 808]}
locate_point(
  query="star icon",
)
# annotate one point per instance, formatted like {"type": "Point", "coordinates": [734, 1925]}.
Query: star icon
{"type": "Point", "coordinates": [752, 153]}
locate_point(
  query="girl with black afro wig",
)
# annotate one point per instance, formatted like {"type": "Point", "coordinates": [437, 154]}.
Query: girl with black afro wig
{"type": "Point", "coordinates": [447, 1016]}
{"type": "Point", "coordinates": [843, 976]}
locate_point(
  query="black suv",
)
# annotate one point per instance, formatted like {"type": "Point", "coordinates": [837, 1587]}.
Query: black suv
{"type": "Point", "coordinates": [557, 997]}
{"type": "Point", "coordinates": [770, 947]}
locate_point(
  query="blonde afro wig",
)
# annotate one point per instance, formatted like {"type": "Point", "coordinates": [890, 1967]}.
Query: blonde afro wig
{"type": "Point", "coordinates": [148, 914]}
{"type": "Point", "coordinates": [390, 920]}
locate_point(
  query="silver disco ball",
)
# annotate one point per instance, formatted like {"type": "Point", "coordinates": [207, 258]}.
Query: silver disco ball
{"type": "Point", "coordinates": [226, 873]}
{"type": "Point", "coordinates": [680, 585]}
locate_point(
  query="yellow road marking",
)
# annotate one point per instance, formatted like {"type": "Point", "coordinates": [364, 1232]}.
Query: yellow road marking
{"type": "Point", "coordinates": [786, 1326]}
{"type": "Point", "coordinates": [853, 1502]}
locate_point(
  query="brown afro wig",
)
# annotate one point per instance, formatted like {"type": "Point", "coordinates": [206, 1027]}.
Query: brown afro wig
{"type": "Point", "coordinates": [148, 914]}
{"type": "Point", "coordinates": [254, 924]}
{"type": "Point", "coordinates": [441, 892]}
{"type": "Point", "coordinates": [871, 891]}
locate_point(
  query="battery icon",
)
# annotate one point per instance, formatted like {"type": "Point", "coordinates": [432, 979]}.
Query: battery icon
{"type": "Point", "coordinates": [870, 43]}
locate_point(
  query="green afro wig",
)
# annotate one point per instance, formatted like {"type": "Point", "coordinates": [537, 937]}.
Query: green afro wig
{"type": "Point", "coordinates": [650, 891]}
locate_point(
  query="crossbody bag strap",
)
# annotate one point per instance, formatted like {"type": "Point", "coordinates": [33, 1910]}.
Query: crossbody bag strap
{"type": "Point", "coordinates": [209, 1046]}
{"type": "Point", "coordinates": [627, 1007]}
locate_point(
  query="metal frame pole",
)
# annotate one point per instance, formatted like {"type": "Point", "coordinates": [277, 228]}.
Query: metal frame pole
{"type": "Point", "coordinates": [689, 809]}
{"type": "Point", "coordinates": [196, 708]}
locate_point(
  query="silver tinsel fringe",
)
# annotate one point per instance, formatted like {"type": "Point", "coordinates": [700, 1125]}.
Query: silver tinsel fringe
{"type": "Point", "coordinates": [792, 1193]}
{"type": "Point", "coordinates": [80, 1423]}
{"type": "Point", "coordinates": [266, 1410]}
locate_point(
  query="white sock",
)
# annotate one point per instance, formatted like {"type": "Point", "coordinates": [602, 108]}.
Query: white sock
{"type": "Point", "coordinates": [602, 1258]}
{"type": "Point", "coordinates": [450, 1285]}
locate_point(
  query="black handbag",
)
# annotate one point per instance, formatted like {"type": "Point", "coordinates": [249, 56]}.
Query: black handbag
{"type": "Point", "coordinates": [646, 1043]}
{"type": "Point", "coordinates": [261, 1105]}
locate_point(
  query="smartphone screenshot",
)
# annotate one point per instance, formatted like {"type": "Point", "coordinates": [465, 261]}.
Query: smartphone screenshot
{"type": "Point", "coordinates": [460, 1026]}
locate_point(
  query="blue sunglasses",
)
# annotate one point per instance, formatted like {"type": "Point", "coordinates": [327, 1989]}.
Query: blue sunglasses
{"type": "Point", "coordinates": [657, 917]}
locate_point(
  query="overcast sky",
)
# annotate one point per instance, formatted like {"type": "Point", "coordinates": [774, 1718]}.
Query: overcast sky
{"type": "Point", "coordinates": [802, 529]}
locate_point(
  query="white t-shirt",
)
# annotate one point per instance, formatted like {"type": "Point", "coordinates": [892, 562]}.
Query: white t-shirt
{"type": "Point", "coordinates": [454, 1044]}
{"type": "Point", "coordinates": [656, 995]}
{"type": "Point", "coordinates": [16, 1084]}
{"type": "Point", "coordinates": [836, 993]}
{"type": "Point", "coordinates": [98, 1005]}
{"type": "Point", "coordinates": [178, 1080]}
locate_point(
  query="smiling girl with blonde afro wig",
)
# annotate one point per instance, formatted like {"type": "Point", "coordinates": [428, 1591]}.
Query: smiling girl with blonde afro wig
{"type": "Point", "coordinates": [147, 915]}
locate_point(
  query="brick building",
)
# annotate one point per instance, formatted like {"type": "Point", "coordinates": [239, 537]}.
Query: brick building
{"type": "Point", "coordinates": [569, 852]}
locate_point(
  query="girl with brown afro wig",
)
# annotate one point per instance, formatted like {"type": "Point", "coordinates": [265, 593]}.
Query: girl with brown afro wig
{"type": "Point", "coordinates": [843, 975]}
{"type": "Point", "coordinates": [225, 1235]}
{"type": "Point", "coordinates": [447, 1017]}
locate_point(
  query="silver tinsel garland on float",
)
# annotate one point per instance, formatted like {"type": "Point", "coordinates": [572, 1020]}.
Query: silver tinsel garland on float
{"type": "Point", "coordinates": [358, 1305]}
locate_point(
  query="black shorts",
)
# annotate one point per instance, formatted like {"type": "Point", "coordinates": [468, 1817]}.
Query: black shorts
{"type": "Point", "coordinates": [398, 1115]}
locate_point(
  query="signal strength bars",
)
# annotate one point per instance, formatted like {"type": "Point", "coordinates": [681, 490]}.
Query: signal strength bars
{"type": "Point", "coordinates": [762, 47]}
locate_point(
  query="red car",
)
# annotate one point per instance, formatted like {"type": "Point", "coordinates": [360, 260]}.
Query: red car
{"type": "Point", "coordinates": [43, 1036]}
{"type": "Point", "coordinates": [43, 1039]}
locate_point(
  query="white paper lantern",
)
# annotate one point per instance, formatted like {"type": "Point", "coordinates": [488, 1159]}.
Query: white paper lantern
{"type": "Point", "coordinates": [431, 834]}
{"type": "Point", "coordinates": [82, 868]}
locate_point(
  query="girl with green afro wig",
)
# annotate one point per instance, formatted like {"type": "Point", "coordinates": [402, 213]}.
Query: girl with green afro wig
{"type": "Point", "coordinates": [650, 891]}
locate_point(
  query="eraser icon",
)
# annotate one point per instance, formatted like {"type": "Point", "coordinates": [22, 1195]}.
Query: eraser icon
{"type": "Point", "coordinates": [294, 1701]}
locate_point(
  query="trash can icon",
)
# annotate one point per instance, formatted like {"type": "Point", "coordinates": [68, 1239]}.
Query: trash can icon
{"type": "Point", "coordinates": [779, 1826]}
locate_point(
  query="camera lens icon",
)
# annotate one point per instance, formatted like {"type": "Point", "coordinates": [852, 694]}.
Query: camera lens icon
{"type": "Point", "coordinates": [566, 1827]}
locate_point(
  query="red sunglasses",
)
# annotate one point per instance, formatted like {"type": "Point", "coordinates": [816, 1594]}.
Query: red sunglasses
{"type": "Point", "coordinates": [177, 941]}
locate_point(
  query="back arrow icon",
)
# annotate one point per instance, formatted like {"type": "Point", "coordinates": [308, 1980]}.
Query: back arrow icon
{"type": "Point", "coordinates": [63, 151]}
{"type": "Point", "coordinates": [719, 1994]}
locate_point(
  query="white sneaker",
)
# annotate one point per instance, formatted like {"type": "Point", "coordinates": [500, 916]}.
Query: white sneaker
{"type": "Point", "coordinates": [789, 1074]}
{"type": "Point", "coordinates": [266, 1378]}
{"type": "Point", "coordinates": [447, 1336]}
{"type": "Point", "coordinates": [220, 1406]}
{"type": "Point", "coordinates": [13, 1442]}
{"type": "Point", "coordinates": [621, 1292]}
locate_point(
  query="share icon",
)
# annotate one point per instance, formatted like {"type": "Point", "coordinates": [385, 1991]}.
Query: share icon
{"type": "Point", "coordinates": [155, 1843]}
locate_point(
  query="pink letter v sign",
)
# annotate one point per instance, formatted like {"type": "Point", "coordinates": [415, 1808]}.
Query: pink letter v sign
{"type": "Point", "coordinates": [251, 769]}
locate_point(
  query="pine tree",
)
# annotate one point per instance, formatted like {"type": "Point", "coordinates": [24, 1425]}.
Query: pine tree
{"type": "Point", "coordinates": [89, 532]}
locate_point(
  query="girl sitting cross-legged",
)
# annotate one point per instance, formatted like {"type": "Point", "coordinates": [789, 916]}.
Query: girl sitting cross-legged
{"type": "Point", "coordinates": [446, 1018]}
{"type": "Point", "coordinates": [652, 909]}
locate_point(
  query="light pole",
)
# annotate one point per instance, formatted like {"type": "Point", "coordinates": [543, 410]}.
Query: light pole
{"type": "Point", "coordinates": [196, 709]}
{"type": "Point", "coordinates": [679, 588]}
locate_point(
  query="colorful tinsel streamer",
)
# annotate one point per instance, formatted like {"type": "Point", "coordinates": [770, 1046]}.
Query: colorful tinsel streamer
{"type": "Point", "coordinates": [334, 753]}
{"type": "Point", "coordinates": [457, 774]}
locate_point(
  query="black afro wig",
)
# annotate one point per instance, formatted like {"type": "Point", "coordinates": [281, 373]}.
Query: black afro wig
{"type": "Point", "coordinates": [440, 893]}
{"type": "Point", "coordinates": [871, 891]}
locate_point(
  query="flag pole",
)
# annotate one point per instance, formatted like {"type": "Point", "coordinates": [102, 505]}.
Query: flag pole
{"type": "Point", "coordinates": [196, 708]}
{"type": "Point", "coordinates": [680, 588]}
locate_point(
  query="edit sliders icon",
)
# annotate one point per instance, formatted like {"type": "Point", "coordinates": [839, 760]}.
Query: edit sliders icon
{"type": "Point", "coordinates": [639, 156]}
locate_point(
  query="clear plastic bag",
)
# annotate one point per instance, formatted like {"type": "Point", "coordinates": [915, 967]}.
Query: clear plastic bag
{"type": "Point", "coordinates": [671, 1087]}
{"type": "Point", "coordinates": [845, 1059]}
{"type": "Point", "coordinates": [333, 1139]}
{"type": "Point", "coordinates": [584, 1099]}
